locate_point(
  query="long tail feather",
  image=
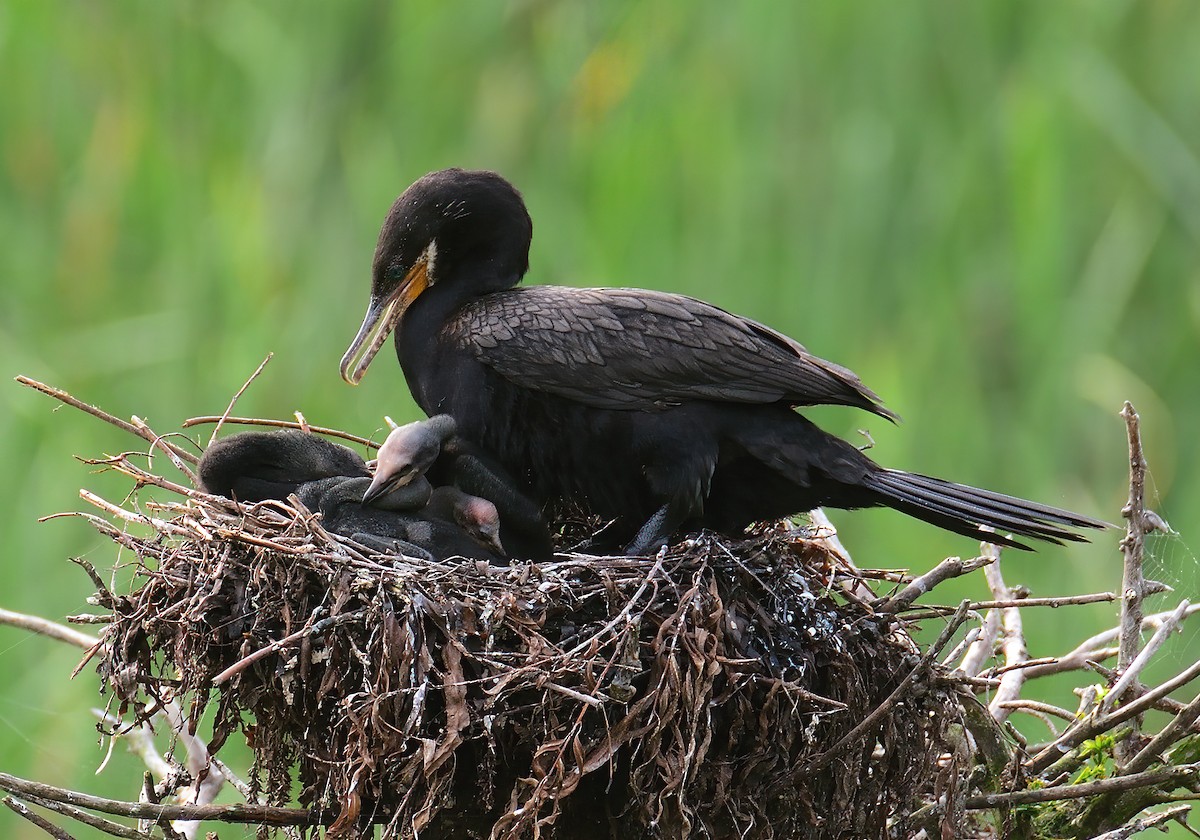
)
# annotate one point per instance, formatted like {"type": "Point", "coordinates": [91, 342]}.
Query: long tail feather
{"type": "Point", "coordinates": [965, 510]}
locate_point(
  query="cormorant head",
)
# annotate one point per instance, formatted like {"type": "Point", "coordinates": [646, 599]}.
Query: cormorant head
{"type": "Point", "coordinates": [458, 226]}
{"type": "Point", "coordinates": [408, 453]}
{"type": "Point", "coordinates": [479, 518]}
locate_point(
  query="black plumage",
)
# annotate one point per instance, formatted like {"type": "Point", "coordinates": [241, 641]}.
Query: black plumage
{"type": "Point", "coordinates": [652, 409]}
{"type": "Point", "coordinates": [410, 519]}
{"type": "Point", "coordinates": [477, 516]}
{"type": "Point", "coordinates": [433, 447]}
{"type": "Point", "coordinates": [331, 479]}
{"type": "Point", "coordinates": [256, 466]}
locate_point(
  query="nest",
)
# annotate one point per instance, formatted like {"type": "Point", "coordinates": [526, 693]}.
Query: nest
{"type": "Point", "coordinates": [717, 690]}
{"type": "Point", "coordinates": [750, 688]}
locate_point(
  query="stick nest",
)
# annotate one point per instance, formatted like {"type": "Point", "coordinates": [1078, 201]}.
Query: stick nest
{"type": "Point", "coordinates": [708, 692]}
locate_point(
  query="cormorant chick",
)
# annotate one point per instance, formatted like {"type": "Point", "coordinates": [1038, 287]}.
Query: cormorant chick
{"type": "Point", "coordinates": [432, 446]}
{"type": "Point", "coordinates": [255, 466]}
{"type": "Point", "coordinates": [331, 479]}
{"type": "Point", "coordinates": [653, 409]}
{"type": "Point", "coordinates": [477, 516]}
{"type": "Point", "coordinates": [413, 519]}
{"type": "Point", "coordinates": [407, 452]}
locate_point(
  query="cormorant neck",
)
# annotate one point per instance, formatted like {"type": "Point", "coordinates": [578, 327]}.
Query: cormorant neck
{"type": "Point", "coordinates": [457, 284]}
{"type": "Point", "coordinates": [418, 334]}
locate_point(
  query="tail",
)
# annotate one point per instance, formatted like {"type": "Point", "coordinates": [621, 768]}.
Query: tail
{"type": "Point", "coordinates": [967, 510]}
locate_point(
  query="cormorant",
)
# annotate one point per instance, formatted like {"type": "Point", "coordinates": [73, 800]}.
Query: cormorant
{"type": "Point", "coordinates": [433, 447]}
{"type": "Point", "coordinates": [409, 517]}
{"type": "Point", "coordinates": [256, 466]}
{"type": "Point", "coordinates": [407, 452]}
{"type": "Point", "coordinates": [475, 515]}
{"type": "Point", "coordinates": [653, 409]}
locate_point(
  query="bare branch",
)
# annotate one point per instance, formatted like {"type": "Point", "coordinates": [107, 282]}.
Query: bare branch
{"type": "Point", "coordinates": [1134, 668]}
{"type": "Point", "coordinates": [1179, 727]}
{"type": "Point", "coordinates": [237, 813]}
{"type": "Point", "coordinates": [280, 424]}
{"type": "Point", "coordinates": [1133, 581]}
{"type": "Point", "coordinates": [1094, 726]}
{"type": "Point", "coordinates": [951, 567]}
{"type": "Point", "coordinates": [1171, 776]}
{"type": "Point", "coordinates": [40, 821]}
{"type": "Point", "coordinates": [1100, 647]}
{"type": "Point", "coordinates": [1178, 813]}
{"type": "Point", "coordinates": [107, 826]}
{"type": "Point", "coordinates": [1042, 708]}
{"type": "Point", "coordinates": [46, 627]}
{"type": "Point", "coordinates": [982, 648]}
{"type": "Point", "coordinates": [1013, 642]}
{"type": "Point", "coordinates": [141, 431]}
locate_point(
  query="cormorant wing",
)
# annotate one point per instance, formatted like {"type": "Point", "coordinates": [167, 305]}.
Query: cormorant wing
{"type": "Point", "coordinates": [636, 349]}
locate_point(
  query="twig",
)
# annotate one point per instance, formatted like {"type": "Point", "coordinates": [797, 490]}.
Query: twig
{"type": "Point", "coordinates": [1133, 579]}
{"type": "Point", "coordinates": [279, 424]}
{"type": "Point", "coordinates": [38, 820]}
{"type": "Point", "coordinates": [274, 647]}
{"type": "Point", "coordinates": [951, 567]}
{"type": "Point", "coordinates": [236, 813]}
{"type": "Point", "coordinates": [1093, 726]}
{"type": "Point", "coordinates": [825, 533]}
{"type": "Point", "coordinates": [237, 396]}
{"type": "Point", "coordinates": [1053, 603]}
{"type": "Point", "coordinates": [620, 617]}
{"type": "Point", "coordinates": [1162, 704]}
{"type": "Point", "coordinates": [1178, 727]}
{"type": "Point", "coordinates": [933, 611]}
{"type": "Point", "coordinates": [46, 627]}
{"type": "Point", "coordinates": [1084, 790]}
{"type": "Point", "coordinates": [1134, 668]}
{"type": "Point", "coordinates": [193, 745]}
{"type": "Point", "coordinates": [983, 647]}
{"type": "Point", "coordinates": [955, 652]}
{"type": "Point", "coordinates": [1013, 643]}
{"type": "Point", "coordinates": [1145, 823]}
{"type": "Point", "coordinates": [1097, 648]}
{"type": "Point", "coordinates": [142, 431]}
{"type": "Point", "coordinates": [116, 829]}
{"type": "Point", "coordinates": [1043, 708]}
{"type": "Point", "coordinates": [158, 440]}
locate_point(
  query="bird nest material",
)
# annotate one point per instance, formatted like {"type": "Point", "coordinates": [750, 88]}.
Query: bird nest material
{"type": "Point", "coordinates": [718, 689]}
{"type": "Point", "coordinates": [751, 688]}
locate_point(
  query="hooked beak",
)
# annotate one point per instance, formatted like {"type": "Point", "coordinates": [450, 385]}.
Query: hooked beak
{"type": "Point", "coordinates": [382, 316]}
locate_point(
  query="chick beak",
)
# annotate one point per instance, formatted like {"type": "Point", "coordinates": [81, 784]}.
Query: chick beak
{"type": "Point", "coordinates": [384, 483]}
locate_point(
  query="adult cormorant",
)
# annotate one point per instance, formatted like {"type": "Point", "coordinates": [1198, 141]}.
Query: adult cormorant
{"type": "Point", "coordinates": [653, 409]}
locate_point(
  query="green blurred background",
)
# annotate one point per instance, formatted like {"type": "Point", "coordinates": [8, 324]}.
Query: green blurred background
{"type": "Point", "coordinates": [990, 211]}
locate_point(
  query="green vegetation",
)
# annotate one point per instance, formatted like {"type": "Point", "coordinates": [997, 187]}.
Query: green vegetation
{"type": "Point", "coordinates": [990, 211]}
